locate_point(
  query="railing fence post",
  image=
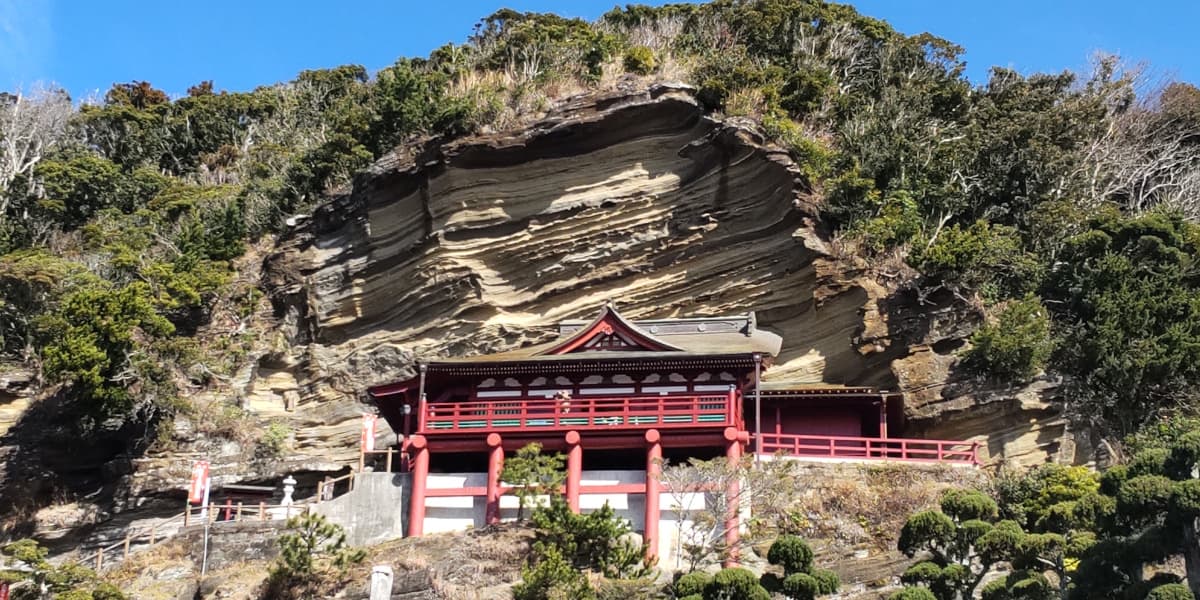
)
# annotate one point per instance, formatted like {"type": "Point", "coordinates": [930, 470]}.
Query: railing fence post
{"type": "Point", "coordinates": [262, 511]}
{"type": "Point", "coordinates": [99, 558]}
{"type": "Point", "coordinates": [127, 541]}
{"type": "Point", "coordinates": [239, 512]}
{"type": "Point", "coordinates": [389, 459]}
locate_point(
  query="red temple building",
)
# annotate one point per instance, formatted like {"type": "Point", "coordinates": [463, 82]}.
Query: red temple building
{"type": "Point", "coordinates": [618, 397]}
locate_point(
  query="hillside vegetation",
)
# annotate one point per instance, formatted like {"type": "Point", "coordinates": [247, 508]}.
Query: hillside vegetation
{"type": "Point", "coordinates": [1063, 205]}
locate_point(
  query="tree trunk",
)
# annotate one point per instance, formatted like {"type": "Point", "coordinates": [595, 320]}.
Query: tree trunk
{"type": "Point", "coordinates": [1191, 555]}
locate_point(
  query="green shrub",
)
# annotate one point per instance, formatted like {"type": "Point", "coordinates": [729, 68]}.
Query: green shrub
{"type": "Point", "coordinates": [791, 553]}
{"type": "Point", "coordinates": [313, 546]}
{"type": "Point", "coordinates": [640, 60]}
{"type": "Point", "coordinates": [1017, 344]}
{"type": "Point", "coordinates": [913, 593]}
{"type": "Point", "coordinates": [691, 583]}
{"type": "Point", "coordinates": [965, 505]}
{"type": "Point", "coordinates": [828, 582]}
{"type": "Point", "coordinates": [989, 258]}
{"type": "Point", "coordinates": [1144, 497]}
{"type": "Point", "coordinates": [552, 577]}
{"type": "Point", "coordinates": [735, 584]}
{"type": "Point", "coordinates": [1171, 591]}
{"type": "Point", "coordinates": [274, 440]}
{"type": "Point", "coordinates": [801, 586]}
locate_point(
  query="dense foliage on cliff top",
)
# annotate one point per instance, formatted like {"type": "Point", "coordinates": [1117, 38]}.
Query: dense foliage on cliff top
{"type": "Point", "coordinates": [1065, 203]}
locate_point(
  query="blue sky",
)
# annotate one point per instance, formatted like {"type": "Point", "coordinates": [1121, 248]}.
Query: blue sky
{"type": "Point", "coordinates": [85, 46]}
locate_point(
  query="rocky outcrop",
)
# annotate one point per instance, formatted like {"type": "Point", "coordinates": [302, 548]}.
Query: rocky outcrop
{"type": "Point", "coordinates": [481, 244]}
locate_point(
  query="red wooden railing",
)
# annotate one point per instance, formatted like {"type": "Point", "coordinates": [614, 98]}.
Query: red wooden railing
{"type": "Point", "coordinates": [629, 412]}
{"type": "Point", "coordinates": [899, 449]}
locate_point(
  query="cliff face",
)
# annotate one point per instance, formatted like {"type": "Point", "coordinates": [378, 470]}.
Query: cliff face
{"type": "Point", "coordinates": [482, 244]}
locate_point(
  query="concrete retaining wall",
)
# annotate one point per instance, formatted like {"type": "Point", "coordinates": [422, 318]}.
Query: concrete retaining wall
{"type": "Point", "coordinates": [376, 511]}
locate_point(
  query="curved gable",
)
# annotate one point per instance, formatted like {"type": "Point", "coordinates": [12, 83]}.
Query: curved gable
{"type": "Point", "coordinates": [610, 332]}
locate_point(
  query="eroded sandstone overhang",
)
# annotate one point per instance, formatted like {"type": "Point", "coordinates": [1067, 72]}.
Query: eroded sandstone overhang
{"type": "Point", "coordinates": [479, 245]}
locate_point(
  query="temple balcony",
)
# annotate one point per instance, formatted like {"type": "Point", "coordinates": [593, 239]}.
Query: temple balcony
{"type": "Point", "coordinates": [851, 449]}
{"type": "Point", "coordinates": [587, 413]}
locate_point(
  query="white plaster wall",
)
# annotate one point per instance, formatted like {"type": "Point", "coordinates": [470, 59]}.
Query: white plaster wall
{"type": "Point", "coordinates": [454, 513]}
{"type": "Point", "coordinates": [457, 513]}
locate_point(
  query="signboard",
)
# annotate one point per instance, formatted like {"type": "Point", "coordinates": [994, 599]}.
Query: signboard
{"type": "Point", "coordinates": [368, 432]}
{"type": "Point", "coordinates": [199, 482]}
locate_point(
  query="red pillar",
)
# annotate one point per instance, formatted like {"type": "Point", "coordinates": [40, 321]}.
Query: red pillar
{"type": "Point", "coordinates": [733, 453]}
{"type": "Point", "coordinates": [653, 489]}
{"type": "Point", "coordinates": [495, 466]}
{"type": "Point", "coordinates": [574, 470]}
{"type": "Point", "coordinates": [420, 473]}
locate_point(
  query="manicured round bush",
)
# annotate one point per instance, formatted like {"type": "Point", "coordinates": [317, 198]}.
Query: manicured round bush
{"type": "Point", "coordinates": [1144, 496]}
{"type": "Point", "coordinates": [640, 60]}
{"type": "Point", "coordinates": [913, 593]}
{"type": "Point", "coordinates": [1171, 591]}
{"type": "Point", "coordinates": [791, 553]}
{"type": "Point", "coordinates": [692, 583]}
{"type": "Point", "coordinates": [965, 505]}
{"type": "Point", "coordinates": [1185, 454]}
{"type": "Point", "coordinates": [1149, 462]}
{"type": "Point", "coordinates": [800, 586]}
{"type": "Point", "coordinates": [922, 528]}
{"type": "Point", "coordinates": [828, 582]}
{"type": "Point", "coordinates": [922, 572]}
{"type": "Point", "coordinates": [1185, 498]}
{"type": "Point", "coordinates": [996, 589]}
{"type": "Point", "coordinates": [735, 584]}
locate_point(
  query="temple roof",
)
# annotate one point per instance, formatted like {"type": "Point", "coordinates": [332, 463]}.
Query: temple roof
{"type": "Point", "coordinates": [610, 336]}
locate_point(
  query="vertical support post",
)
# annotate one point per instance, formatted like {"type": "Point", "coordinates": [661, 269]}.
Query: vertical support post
{"type": "Point", "coordinates": [262, 511]}
{"type": "Point", "coordinates": [653, 491]}
{"type": "Point", "coordinates": [239, 512]}
{"type": "Point", "coordinates": [883, 429]}
{"type": "Point", "coordinates": [574, 470]}
{"type": "Point", "coordinates": [757, 406]}
{"type": "Point", "coordinates": [416, 504]}
{"type": "Point", "coordinates": [99, 558]}
{"type": "Point", "coordinates": [495, 466]}
{"type": "Point", "coordinates": [389, 459]}
{"type": "Point", "coordinates": [733, 454]}
{"type": "Point", "coordinates": [421, 410]}
{"type": "Point", "coordinates": [127, 541]}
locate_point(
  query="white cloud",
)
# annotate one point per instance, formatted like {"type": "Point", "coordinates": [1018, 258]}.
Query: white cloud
{"type": "Point", "coordinates": [25, 41]}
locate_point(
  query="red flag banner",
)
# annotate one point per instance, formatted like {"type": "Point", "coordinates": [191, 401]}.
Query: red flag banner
{"type": "Point", "coordinates": [196, 488]}
{"type": "Point", "coordinates": [368, 433]}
